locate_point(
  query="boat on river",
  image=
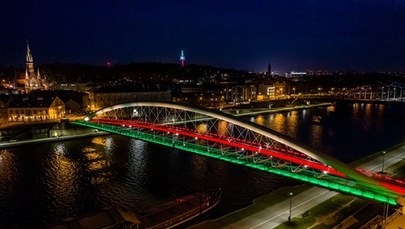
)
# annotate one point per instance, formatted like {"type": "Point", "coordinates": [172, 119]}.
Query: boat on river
{"type": "Point", "coordinates": [181, 210]}
{"type": "Point", "coordinates": [168, 215]}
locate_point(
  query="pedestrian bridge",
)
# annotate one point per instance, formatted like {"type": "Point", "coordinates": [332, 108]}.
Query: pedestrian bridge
{"type": "Point", "coordinates": [225, 137]}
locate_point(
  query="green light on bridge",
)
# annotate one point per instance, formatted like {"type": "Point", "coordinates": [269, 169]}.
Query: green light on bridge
{"type": "Point", "coordinates": [216, 153]}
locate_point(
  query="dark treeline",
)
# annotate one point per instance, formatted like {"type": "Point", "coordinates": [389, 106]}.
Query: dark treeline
{"type": "Point", "coordinates": [166, 72]}
{"type": "Point", "coordinates": [136, 71]}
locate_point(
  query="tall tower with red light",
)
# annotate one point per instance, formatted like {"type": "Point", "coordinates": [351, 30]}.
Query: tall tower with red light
{"type": "Point", "coordinates": [182, 59]}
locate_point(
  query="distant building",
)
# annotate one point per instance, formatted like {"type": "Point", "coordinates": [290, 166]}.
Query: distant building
{"type": "Point", "coordinates": [23, 108]}
{"type": "Point", "coordinates": [297, 74]}
{"type": "Point", "coordinates": [266, 91]}
{"type": "Point", "coordinates": [108, 96]}
{"type": "Point", "coordinates": [280, 88]}
{"type": "Point", "coordinates": [32, 80]}
{"type": "Point", "coordinates": [76, 103]}
{"type": "Point", "coordinates": [239, 93]}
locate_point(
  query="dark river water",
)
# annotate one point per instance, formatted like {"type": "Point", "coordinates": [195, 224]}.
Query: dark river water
{"type": "Point", "coordinates": [44, 183]}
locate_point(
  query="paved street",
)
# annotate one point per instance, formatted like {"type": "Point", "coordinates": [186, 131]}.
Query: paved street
{"type": "Point", "coordinates": [278, 214]}
{"type": "Point", "coordinates": [390, 158]}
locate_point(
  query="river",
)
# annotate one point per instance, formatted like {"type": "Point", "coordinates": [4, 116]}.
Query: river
{"type": "Point", "coordinates": [44, 183]}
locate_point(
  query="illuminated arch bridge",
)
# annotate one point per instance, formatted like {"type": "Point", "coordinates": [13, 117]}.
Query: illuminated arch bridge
{"type": "Point", "coordinates": [222, 136]}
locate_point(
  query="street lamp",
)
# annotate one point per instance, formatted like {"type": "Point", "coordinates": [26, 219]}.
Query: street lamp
{"type": "Point", "coordinates": [289, 215]}
{"type": "Point", "coordinates": [382, 170]}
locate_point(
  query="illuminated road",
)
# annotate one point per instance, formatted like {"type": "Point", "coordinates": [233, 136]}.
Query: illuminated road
{"type": "Point", "coordinates": [277, 214]}
{"type": "Point", "coordinates": [390, 158]}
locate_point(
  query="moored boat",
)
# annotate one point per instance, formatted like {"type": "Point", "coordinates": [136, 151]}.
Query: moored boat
{"type": "Point", "coordinates": [181, 210]}
{"type": "Point", "coordinates": [169, 215]}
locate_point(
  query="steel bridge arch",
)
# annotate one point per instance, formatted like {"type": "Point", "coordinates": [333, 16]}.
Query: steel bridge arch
{"type": "Point", "coordinates": [309, 151]}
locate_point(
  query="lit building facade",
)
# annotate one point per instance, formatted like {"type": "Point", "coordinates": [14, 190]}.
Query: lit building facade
{"type": "Point", "coordinates": [240, 93]}
{"type": "Point", "coordinates": [27, 108]}
{"type": "Point", "coordinates": [108, 96]}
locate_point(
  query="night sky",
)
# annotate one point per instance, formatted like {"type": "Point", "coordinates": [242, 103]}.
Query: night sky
{"type": "Point", "coordinates": [359, 35]}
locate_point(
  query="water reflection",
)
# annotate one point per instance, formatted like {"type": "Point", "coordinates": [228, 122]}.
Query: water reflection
{"type": "Point", "coordinates": [260, 120]}
{"type": "Point", "coordinates": [97, 163]}
{"type": "Point", "coordinates": [61, 177]}
{"type": "Point", "coordinates": [9, 172]}
{"type": "Point", "coordinates": [202, 128]}
{"type": "Point", "coordinates": [368, 111]}
{"type": "Point", "coordinates": [356, 112]}
{"type": "Point", "coordinates": [99, 141]}
{"type": "Point", "coordinates": [223, 128]}
{"type": "Point", "coordinates": [316, 135]}
{"type": "Point", "coordinates": [278, 123]}
{"type": "Point", "coordinates": [293, 119]}
{"type": "Point", "coordinates": [106, 142]}
{"type": "Point", "coordinates": [380, 109]}
{"type": "Point", "coordinates": [137, 161]}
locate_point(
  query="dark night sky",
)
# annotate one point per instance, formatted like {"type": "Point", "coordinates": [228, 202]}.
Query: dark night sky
{"type": "Point", "coordinates": [361, 35]}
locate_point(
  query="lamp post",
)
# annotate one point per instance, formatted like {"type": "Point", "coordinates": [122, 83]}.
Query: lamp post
{"type": "Point", "coordinates": [382, 170]}
{"type": "Point", "coordinates": [289, 215]}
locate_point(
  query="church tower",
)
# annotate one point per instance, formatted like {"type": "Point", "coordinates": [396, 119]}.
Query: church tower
{"type": "Point", "coordinates": [33, 81]}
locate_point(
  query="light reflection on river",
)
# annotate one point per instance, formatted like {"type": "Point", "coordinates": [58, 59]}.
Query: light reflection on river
{"type": "Point", "coordinates": [44, 183]}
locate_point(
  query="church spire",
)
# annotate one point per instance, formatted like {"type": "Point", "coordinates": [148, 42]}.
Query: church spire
{"type": "Point", "coordinates": [28, 57]}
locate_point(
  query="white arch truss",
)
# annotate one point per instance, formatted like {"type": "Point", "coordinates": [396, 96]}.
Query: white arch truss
{"type": "Point", "coordinates": [290, 142]}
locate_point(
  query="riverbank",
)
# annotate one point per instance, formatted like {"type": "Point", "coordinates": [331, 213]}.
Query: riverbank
{"type": "Point", "coordinates": [310, 206]}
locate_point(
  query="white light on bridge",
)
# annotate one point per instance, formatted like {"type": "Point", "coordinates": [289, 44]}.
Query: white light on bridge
{"type": "Point", "coordinates": [86, 119]}
{"type": "Point", "coordinates": [135, 113]}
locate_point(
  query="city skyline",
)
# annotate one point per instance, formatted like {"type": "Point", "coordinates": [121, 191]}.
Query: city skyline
{"type": "Point", "coordinates": [247, 35]}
